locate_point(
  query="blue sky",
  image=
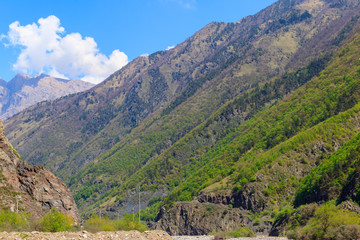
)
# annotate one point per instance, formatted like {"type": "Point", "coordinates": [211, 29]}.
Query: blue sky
{"type": "Point", "coordinates": [119, 31]}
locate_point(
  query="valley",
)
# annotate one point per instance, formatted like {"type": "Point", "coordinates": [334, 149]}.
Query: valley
{"type": "Point", "coordinates": [245, 128]}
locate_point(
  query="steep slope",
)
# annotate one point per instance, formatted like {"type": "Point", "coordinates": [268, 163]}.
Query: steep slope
{"type": "Point", "coordinates": [259, 165]}
{"type": "Point", "coordinates": [32, 189]}
{"type": "Point", "coordinates": [160, 145]}
{"type": "Point", "coordinates": [24, 91]}
{"type": "Point", "coordinates": [98, 118]}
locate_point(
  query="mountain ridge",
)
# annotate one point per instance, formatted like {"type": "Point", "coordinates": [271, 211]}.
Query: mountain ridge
{"type": "Point", "coordinates": [24, 91]}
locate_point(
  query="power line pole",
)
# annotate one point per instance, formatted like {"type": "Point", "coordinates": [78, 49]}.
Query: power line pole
{"type": "Point", "coordinates": [133, 214]}
{"type": "Point", "coordinates": [139, 203]}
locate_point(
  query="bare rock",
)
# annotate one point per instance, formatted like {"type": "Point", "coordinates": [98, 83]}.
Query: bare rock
{"type": "Point", "coordinates": [29, 188]}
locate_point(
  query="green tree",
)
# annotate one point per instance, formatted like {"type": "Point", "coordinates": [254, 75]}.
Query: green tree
{"type": "Point", "coordinates": [55, 221]}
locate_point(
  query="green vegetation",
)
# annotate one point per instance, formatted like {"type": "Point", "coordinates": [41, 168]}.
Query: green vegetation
{"type": "Point", "coordinates": [128, 222]}
{"type": "Point", "coordinates": [23, 222]}
{"type": "Point", "coordinates": [55, 221]}
{"type": "Point", "coordinates": [323, 97]}
{"type": "Point", "coordinates": [329, 222]}
{"type": "Point", "coordinates": [331, 178]}
{"type": "Point", "coordinates": [11, 221]}
{"type": "Point", "coordinates": [149, 213]}
{"type": "Point", "coordinates": [171, 166]}
{"type": "Point", "coordinates": [239, 232]}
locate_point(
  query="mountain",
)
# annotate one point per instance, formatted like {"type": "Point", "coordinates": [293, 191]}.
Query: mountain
{"type": "Point", "coordinates": [28, 188]}
{"type": "Point", "coordinates": [219, 131]}
{"type": "Point", "coordinates": [24, 91]}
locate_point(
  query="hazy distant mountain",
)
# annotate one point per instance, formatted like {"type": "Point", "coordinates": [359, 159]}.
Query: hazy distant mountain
{"type": "Point", "coordinates": [23, 91]}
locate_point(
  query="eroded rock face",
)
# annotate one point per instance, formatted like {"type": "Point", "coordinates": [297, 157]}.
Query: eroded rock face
{"type": "Point", "coordinates": [194, 218]}
{"type": "Point", "coordinates": [29, 188]}
{"type": "Point", "coordinates": [247, 199]}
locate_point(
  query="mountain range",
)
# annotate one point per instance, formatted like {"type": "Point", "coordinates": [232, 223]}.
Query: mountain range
{"type": "Point", "coordinates": [24, 91]}
{"type": "Point", "coordinates": [253, 123]}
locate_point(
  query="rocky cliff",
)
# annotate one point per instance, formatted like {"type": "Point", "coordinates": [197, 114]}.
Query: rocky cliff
{"type": "Point", "coordinates": [24, 91]}
{"type": "Point", "coordinates": [195, 218]}
{"type": "Point", "coordinates": [29, 188]}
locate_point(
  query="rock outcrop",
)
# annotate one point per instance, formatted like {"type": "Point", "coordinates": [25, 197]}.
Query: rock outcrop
{"type": "Point", "coordinates": [248, 198]}
{"type": "Point", "coordinates": [194, 218]}
{"type": "Point", "coordinates": [29, 188]}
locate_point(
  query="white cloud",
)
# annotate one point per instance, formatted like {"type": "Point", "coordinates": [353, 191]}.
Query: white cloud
{"type": "Point", "coordinates": [46, 49]}
{"type": "Point", "coordinates": [169, 47]}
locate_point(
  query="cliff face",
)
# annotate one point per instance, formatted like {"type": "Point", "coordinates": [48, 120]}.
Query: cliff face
{"type": "Point", "coordinates": [196, 218]}
{"type": "Point", "coordinates": [30, 188]}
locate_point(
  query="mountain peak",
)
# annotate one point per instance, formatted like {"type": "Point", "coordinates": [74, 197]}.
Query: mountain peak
{"type": "Point", "coordinates": [23, 91]}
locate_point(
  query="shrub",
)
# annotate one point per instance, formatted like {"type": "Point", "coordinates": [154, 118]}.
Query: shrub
{"type": "Point", "coordinates": [55, 221]}
{"type": "Point", "coordinates": [96, 224]}
{"type": "Point", "coordinates": [11, 221]}
{"type": "Point", "coordinates": [330, 222]}
{"type": "Point", "coordinates": [127, 224]}
{"type": "Point", "coordinates": [239, 232]}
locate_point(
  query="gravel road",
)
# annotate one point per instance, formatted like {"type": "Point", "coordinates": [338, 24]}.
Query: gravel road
{"type": "Point", "coordinates": [243, 238]}
{"type": "Point", "coordinates": [121, 235]}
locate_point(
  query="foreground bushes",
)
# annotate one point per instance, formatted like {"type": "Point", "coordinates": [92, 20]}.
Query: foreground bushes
{"type": "Point", "coordinates": [55, 221]}
{"type": "Point", "coordinates": [96, 224]}
{"type": "Point", "coordinates": [329, 222]}
{"type": "Point", "coordinates": [10, 221]}
{"type": "Point", "coordinates": [239, 232]}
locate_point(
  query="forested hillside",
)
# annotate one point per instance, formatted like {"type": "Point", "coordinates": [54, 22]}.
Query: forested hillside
{"type": "Point", "coordinates": [239, 118]}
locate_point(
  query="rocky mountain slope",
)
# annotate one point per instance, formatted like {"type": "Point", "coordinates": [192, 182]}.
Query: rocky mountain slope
{"type": "Point", "coordinates": [307, 150]}
{"type": "Point", "coordinates": [29, 188]}
{"type": "Point", "coordinates": [224, 126]}
{"type": "Point", "coordinates": [165, 148]}
{"type": "Point", "coordinates": [24, 91]}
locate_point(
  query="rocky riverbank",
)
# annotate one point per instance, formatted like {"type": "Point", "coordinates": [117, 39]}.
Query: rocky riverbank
{"type": "Point", "coordinates": [121, 235]}
{"type": "Point", "coordinates": [242, 238]}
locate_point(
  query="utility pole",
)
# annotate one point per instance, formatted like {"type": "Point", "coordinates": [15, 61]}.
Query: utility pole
{"type": "Point", "coordinates": [133, 214]}
{"type": "Point", "coordinates": [139, 203]}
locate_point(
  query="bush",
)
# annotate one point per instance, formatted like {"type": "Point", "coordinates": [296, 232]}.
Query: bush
{"type": "Point", "coordinates": [239, 232]}
{"type": "Point", "coordinates": [97, 224]}
{"type": "Point", "coordinates": [330, 222]}
{"type": "Point", "coordinates": [11, 221]}
{"type": "Point", "coordinates": [55, 221]}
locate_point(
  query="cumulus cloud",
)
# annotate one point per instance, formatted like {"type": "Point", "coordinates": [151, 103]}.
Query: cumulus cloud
{"type": "Point", "coordinates": [45, 48]}
{"type": "Point", "coordinates": [169, 48]}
